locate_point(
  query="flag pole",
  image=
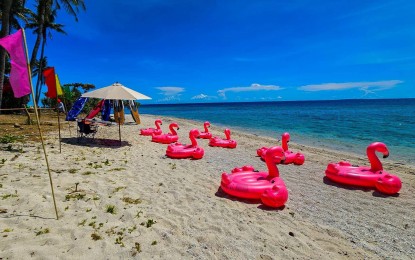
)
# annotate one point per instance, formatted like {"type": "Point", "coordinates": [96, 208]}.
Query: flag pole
{"type": "Point", "coordinates": [38, 123]}
{"type": "Point", "coordinates": [65, 113]}
{"type": "Point", "coordinates": [64, 110]}
{"type": "Point", "coordinates": [59, 120]}
{"type": "Point", "coordinates": [59, 126]}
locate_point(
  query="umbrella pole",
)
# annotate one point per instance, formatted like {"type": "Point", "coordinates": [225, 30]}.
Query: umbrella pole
{"type": "Point", "coordinates": [119, 128]}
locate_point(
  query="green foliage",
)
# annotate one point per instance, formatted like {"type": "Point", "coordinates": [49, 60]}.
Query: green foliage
{"type": "Point", "coordinates": [6, 196]}
{"type": "Point", "coordinates": [130, 230]}
{"type": "Point", "coordinates": [118, 169]}
{"type": "Point", "coordinates": [72, 171]}
{"type": "Point", "coordinates": [136, 248]}
{"type": "Point", "coordinates": [77, 196]}
{"type": "Point", "coordinates": [118, 189]}
{"type": "Point", "coordinates": [138, 214]}
{"type": "Point", "coordinates": [71, 92]}
{"type": "Point", "coordinates": [82, 223]}
{"type": "Point", "coordinates": [95, 236]}
{"type": "Point", "coordinates": [129, 200]}
{"type": "Point", "coordinates": [42, 231]}
{"type": "Point", "coordinates": [94, 165]}
{"type": "Point", "coordinates": [111, 209]}
{"type": "Point", "coordinates": [118, 241]}
{"type": "Point", "coordinates": [92, 224]}
{"type": "Point", "coordinates": [149, 223]}
{"type": "Point", "coordinates": [8, 100]}
{"type": "Point", "coordinates": [106, 162]}
{"type": "Point", "coordinates": [8, 138]}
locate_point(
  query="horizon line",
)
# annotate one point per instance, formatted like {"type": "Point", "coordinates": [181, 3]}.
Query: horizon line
{"type": "Point", "coordinates": [274, 101]}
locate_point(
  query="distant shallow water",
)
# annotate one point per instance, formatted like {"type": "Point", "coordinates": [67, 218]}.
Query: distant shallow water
{"type": "Point", "coordinates": [349, 125]}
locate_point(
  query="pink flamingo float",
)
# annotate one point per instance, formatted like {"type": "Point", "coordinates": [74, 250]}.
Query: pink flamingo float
{"type": "Point", "coordinates": [151, 131]}
{"type": "Point", "coordinates": [206, 134]}
{"type": "Point", "coordinates": [226, 143]}
{"type": "Point", "coordinates": [178, 150]}
{"type": "Point", "coordinates": [290, 157]}
{"type": "Point", "coordinates": [370, 177]}
{"type": "Point", "coordinates": [247, 183]}
{"type": "Point", "coordinates": [169, 137]}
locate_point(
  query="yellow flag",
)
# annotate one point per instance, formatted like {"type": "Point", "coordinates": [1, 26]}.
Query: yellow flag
{"type": "Point", "coordinates": [58, 86]}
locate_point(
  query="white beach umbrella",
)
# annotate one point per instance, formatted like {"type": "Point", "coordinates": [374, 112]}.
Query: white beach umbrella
{"type": "Point", "coordinates": [116, 91]}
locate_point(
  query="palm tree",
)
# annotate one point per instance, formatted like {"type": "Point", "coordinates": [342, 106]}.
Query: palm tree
{"type": "Point", "coordinates": [36, 68]}
{"type": "Point", "coordinates": [47, 26]}
{"type": "Point", "coordinates": [37, 71]}
{"type": "Point", "coordinates": [10, 12]}
{"type": "Point", "coordinates": [71, 7]}
{"type": "Point", "coordinates": [6, 6]}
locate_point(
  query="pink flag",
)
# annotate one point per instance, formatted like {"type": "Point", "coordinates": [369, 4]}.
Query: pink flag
{"type": "Point", "coordinates": [19, 74]}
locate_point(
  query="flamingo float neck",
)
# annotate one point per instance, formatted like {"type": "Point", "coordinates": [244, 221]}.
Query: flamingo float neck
{"type": "Point", "coordinates": [206, 125]}
{"type": "Point", "coordinates": [285, 140]}
{"type": "Point", "coordinates": [172, 130]}
{"type": "Point", "coordinates": [158, 123]}
{"type": "Point", "coordinates": [228, 134]}
{"type": "Point", "coordinates": [375, 164]}
{"type": "Point", "coordinates": [270, 155]}
{"type": "Point", "coordinates": [192, 135]}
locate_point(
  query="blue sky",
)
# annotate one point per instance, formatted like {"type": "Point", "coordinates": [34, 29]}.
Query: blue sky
{"type": "Point", "coordinates": [214, 51]}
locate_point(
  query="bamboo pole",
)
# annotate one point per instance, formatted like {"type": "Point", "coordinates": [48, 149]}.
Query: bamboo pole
{"type": "Point", "coordinates": [38, 125]}
{"type": "Point", "coordinates": [69, 125]}
{"type": "Point", "coordinates": [59, 119]}
{"type": "Point", "coordinates": [59, 127]}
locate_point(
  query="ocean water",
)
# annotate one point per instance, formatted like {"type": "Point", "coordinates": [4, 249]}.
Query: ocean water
{"type": "Point", "coordinates": [349, 125]}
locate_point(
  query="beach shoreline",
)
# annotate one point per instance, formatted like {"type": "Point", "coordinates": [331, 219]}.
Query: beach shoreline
{"type": "Point", "coordinates": [165, 208]}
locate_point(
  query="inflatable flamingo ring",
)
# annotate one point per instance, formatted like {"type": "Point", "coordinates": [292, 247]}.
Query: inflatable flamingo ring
{"type": "Point", "coordinates": [371, 177]}
{"type": "Point", "coordinates": [206, 134]}
{"type": "Point", "coordinates": [247, 183]}
{"type": "Point", "coordinates": [167, 138]}
{"type": "Point", "coordinates": [290, 157]}
{"type": "Point", "coordinates": [226, 143]}
{"type": "Point", "coordinates": [178, 150]}
{"type": "Point", "coordinates": [150, 131]}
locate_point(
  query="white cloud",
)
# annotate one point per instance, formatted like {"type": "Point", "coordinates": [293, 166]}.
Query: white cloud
{"type": "Point", "coordinates": [367, 87]}
{"type": "Point", "coordinates": [253, 87]}
{"type": "Point", "coordinates": [203, 97]}
{"type": "Point", "coordinates": [169, 99]}
{"type": "Point", "coordinates": [200, 96]}
{"type": "Point", "coordinates": [170, 91]}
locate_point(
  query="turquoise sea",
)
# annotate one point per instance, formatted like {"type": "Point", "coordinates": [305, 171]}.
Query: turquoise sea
{"type": "Point", "coordinates": [349, 125]}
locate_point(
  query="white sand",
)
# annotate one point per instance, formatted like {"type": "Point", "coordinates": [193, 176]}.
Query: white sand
{"type": "Point", "coordinates": [192, 218]}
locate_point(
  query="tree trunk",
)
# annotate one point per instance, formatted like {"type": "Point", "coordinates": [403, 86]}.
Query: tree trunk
{"type": "Point", "coordinates": [40, 74]}
{"type": "Point", "coordinates": [41, 10]}
{"type": "Point", "coordinates": [29, 119]}
{"type": "Point", "coordinates": [5, 30]}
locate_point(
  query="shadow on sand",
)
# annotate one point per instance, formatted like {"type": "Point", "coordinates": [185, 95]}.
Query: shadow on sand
{"type": "Point", "coordinates": [375, 193]}
{"type": "Point", "coordinates": [95, 142]}
{"type": "Point", "coordinates": [221, 194]}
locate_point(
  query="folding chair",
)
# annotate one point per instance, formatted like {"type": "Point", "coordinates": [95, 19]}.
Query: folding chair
{"type": "Point", "coordinates": [86, 129]}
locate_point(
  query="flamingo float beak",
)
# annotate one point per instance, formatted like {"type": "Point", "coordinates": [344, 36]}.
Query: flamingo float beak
{"type": "Point", "coordinates": [386, 155]}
